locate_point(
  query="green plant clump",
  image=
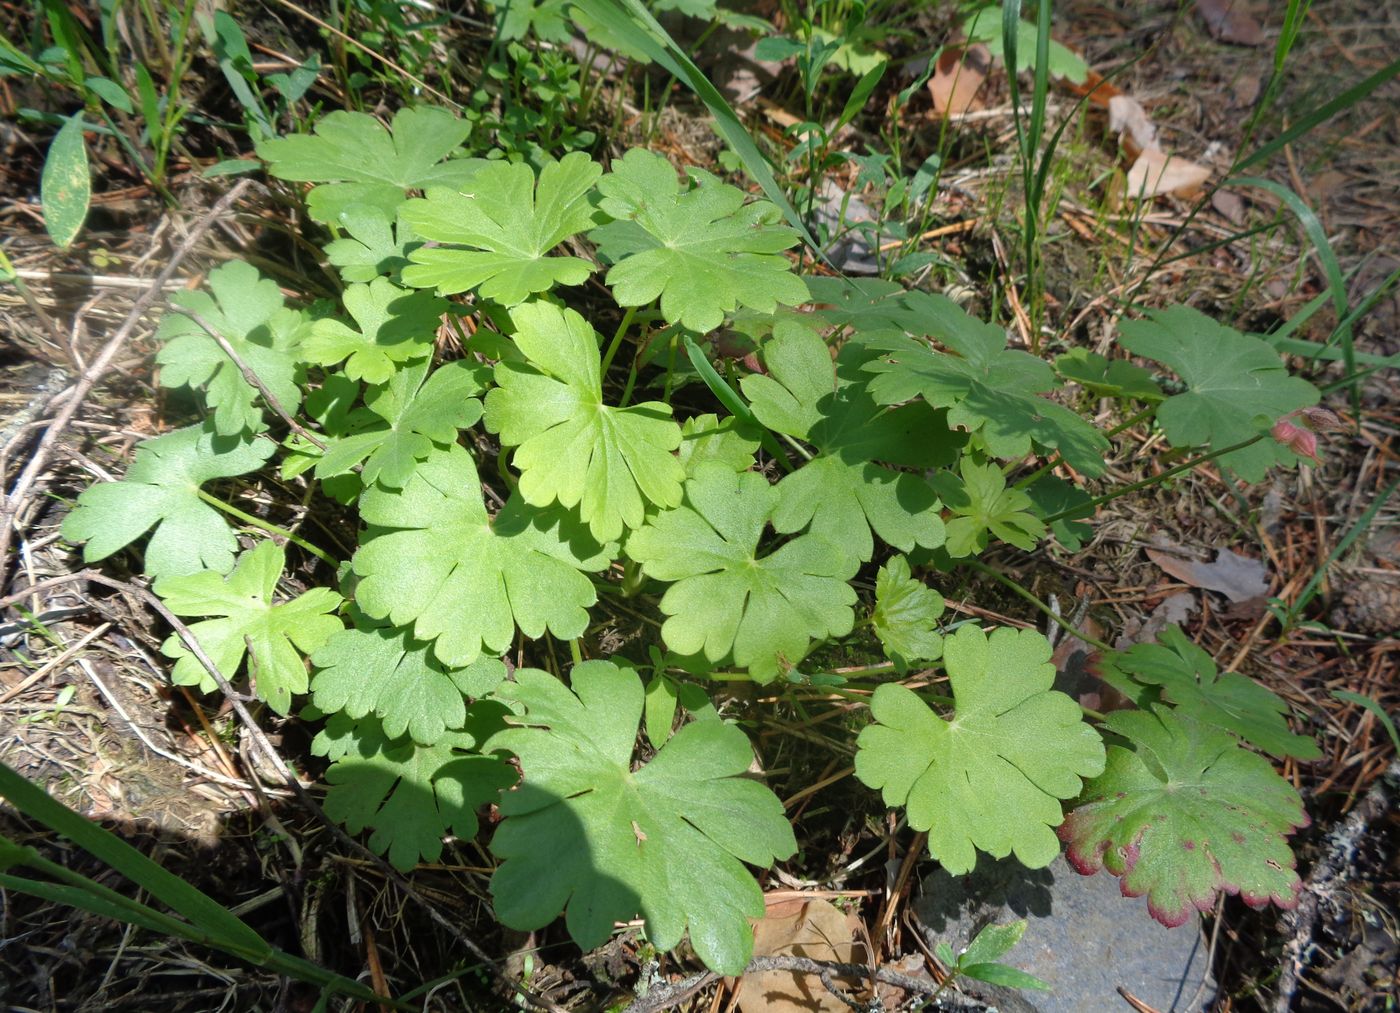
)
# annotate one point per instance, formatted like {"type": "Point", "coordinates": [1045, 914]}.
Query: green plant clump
{"type": "Point", "coordinates": [504, 490]}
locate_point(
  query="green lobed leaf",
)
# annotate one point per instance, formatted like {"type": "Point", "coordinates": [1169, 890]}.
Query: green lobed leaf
{"type": "Point", "coordinates": [982, 505]}
{"type": "Point", "coordinates": [392, 326]}
{"type": "Point", "coordinates": [906, 613]}
{"type": "Point", "coordinates": [990, 779]}
{"type": "Point", "coordinates": [985, 26]}
{"type": "Point", "coordinates": [247, 310]}
{"type": "Point", "coordinates": [404, 421]}
{"type": "Point", "coordinates": [375, 244]}
{"type": "Point", "coordinates": [435, 560]}
{"type": "Point", "coordinates": [696, 246]}
{"type": "Point", "coordinates": [587, 835]}
{"type": "Point", "coordinates": [1050, 496]}
{"type": "Point", "coordinates": [988, 389]}
{"type": "Point", "coordinates": [708, 438]}
{"type": "Point", "coordinates": [499, 234]}
{"type": "Point", "coordinates": [368, 164]}
{"type": "Point", "coordinates": [160, 491]}
{"type": "Point", "coordinates": [1183, 814]}
{"type": "Point", "coordinates": [273, 636]}
{"type": "Point", "coordinates": [383, 670]}
{"type": "Point", "coordinates": [1109, 378]}
{"type": "Point", "coordinates": [1236, 386]}
{"type": "Point", "coordinates": [844, 492]}
{"type": "Point", "coordinates": [1187, 677]}
{"type": "Point", "coordinates": [410, 795]}
{"type": "Point", "coordinates": [571, 448]}
{"type": "Point", "coordinates": [726, 597]}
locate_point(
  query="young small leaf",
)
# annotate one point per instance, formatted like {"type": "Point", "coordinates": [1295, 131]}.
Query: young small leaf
{"type": "Point", "coordinates": [375, 245]}
{"type": "Point", "coordinates": [411, 795]}
{"type": "Point", "coordinates": [571, 448]}
{"type": "Point", "coordinates": [1183, 814]}
{"type": "Point", "coordinates": [65, 187]}
{"type": "Point", "coordinates": [384, 671]}
{"type": "Point", "coordinates": [988, 389]}
{"type": "Point", "coordinates": [501, 231]}
{"type": "Point", "coordinates": [393, 326]}
{"type": "Point", "coordinates": [586, 835]}
{"type": "Point", "coordinates": [708, 438]}
{"type": "Point", "coordinates": [843, 493]}
{"type": "Point", "coordinates": [370, 165]}
{"type": "Point", "coordinates": [906, 611]}
{"type": "Point", "coordinates": [992, 942]}
{"type": "Point", "coordinates": [433, 559]}
{"type": "Point", "coordinates": [697, 247]}
{"type": "Point", "coordinates": [992, 778]}
{"type": "Point", "coordinates": [1116, 378]}
{"type": "Point", "coordinates": [765, 609]}
{"type": "Point", "coordinates": [1188, 678]}
{"type": "Point", "coordinates": [983, 505]}
{"type": "Point", "coordinates": [1236, 386]}
{"type": "Point", "coordinates": [161, 491]}
{"type": "Point", "coordinates": [273, 636]}
{"type": "Point", "coordinates": [246, 309]}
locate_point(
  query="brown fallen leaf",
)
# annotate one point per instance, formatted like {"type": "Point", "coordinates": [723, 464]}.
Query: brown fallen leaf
{"type": "Point", "coordinates": [1229, 204]}
{"type": "Point", "coordinates": [1237, 577]}
{"type": "Point", "coordinates": [1099, 89]}
{"type": "Point", "coordinates": [1231, 21]}
{"type": "Point", "coordinates": [1173, 610]}
{"type": "Point", "coordinates": [957, 77]}
{"type": "Point", "coordinates": [813, 928]}
{"type": "Point", "coordinates": [1127, 118]}
{"type": "Point", "coordinates": [1156, 172]}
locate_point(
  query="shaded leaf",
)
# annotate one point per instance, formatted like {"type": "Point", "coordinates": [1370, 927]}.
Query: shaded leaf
{"type": "Point", "coordinates": [905, 616]}
{"type": "Point", "coordinates": [392, 326]}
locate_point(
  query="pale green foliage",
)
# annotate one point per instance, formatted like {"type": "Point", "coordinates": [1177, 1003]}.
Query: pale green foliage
{"type": "Point", "coordinates": [433, 559]}
{"type": "Point", "coordinates": [384, 671]}
{"type": "Point", "coordinates": [906, 612]}
{"type": "Point", "coordinates": [983, 505]}
{"type": "Point", "coordinates": [1187, 677]}
{"type": "Point", "coordinates": [500, 230]}
{"type": "Point", "coordinates": [247, 310]}
{"type": "Point", "coordinates": [586, 835]}
{"type": "Point", "coordinates": [708, 438]}
{"type": "Point", "coordinates": [1236, 386]}
{"type": "Point", "coordinates": [410, 795]}
{"type": "Point", "coordinates": [367, 163]}
{"type": "Point", "coordinates": [571, 448]}
{"type": "Point", "coordinates": [374, 245]}
{"type": "Point", "coordinates": [979, 959]}
{"type": "Point", "coordinates": [725, 596]}
{"type": "Point", "coordinates": [991, 778]}
{"type": "Point", "coordinates": [844, 491]}
{"type": "Point", "coordinates": [988, 389]}
{"type": "Point", "coordinates": [274, 636]}
{"type": "Point", "coordinates": [985, 26]}
{"type": "Point", "coordinates": [403, 421]}
{"type": "Point", "coordinates": [160, 491]}
{"type": "Point", "coordinates": [698, 246]}
{"type": "Point", "coordinates": [1185, 813]}
{"type": "Point", "coordinates": [392, 326]}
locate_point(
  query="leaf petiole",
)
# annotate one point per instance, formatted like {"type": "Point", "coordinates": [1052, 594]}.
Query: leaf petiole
{"type": "Point", "coordinates": [271, 529]}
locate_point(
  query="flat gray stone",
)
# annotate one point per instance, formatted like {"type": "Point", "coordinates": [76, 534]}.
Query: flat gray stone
{"type": "Point", "coordinates": [1083, 937]}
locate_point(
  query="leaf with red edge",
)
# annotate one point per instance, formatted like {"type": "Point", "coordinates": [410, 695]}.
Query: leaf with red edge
{"type": "Point", "coordinates": [1184, 814]}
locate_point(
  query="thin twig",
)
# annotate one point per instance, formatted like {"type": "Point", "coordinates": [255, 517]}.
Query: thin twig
{"type": "Point", "coordinates": [251, 377]}
{"type": "Point", "coordinates": [96, 370]}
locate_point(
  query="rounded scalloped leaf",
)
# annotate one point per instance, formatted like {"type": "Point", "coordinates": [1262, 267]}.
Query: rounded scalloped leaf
{"type": "Point", "coordinates": [1184, 814]}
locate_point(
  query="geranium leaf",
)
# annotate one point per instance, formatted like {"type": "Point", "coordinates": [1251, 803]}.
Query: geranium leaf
{"type": "Point", "coordinates": [160, 491]}
{"type": "Point", "coordinates": [983, 505]}
{"type": "Point", "coordinates": [392, 326]}
{"type": "Point", "coordinates": [586, 835]}
{"type": "Point", "coordinates": [765, 609]}
{"type": "Point", "coordinates": [247, 310]}
{"type": "Point", "coordinates": [274, 636]}
{"type": "Point", "coordinates": [571, 448]}
{"type": "Point", "coordinates": [434, 560]}
{"type": "Point", "coordinates": [375, 244]}
{"type": "Point", "coordinates": [367, 163]}
{"type": "Point", "coordinates": [499, 233]}
{"type": "Point", "coordinates": [1051, 496]}
{"type": "Point", "coordinates": [411, 795]}
{"type": "Point", "coordinates": [843, 492]}
{"type": "Point", "coordinates": [1187, 677]}
{"type": "Point", "coordinates": [992, 778]}
{"type": "Point", "coordinates": [697, 246]}
{"type": "Point", "coordinates": [1183, 814]}
{"type": "Point", "coordinates": [1236, 386]}
{"type": "Point", "coordinates": [383, 670]}
{"type": "Point", "coordinates": [708, 438]}
{"type": "Point", "coordinates": [405, 420]}
{"type": "Point", "coordinates": [1109, 378]}
{"type": "Point", "coordinates": [906, 611]}
{"type": "Point", "coordinates": [985, 26]}
{"type": "Point", "coordinates": [988, 389]}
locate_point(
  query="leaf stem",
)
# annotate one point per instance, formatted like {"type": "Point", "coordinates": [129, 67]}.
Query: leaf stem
{"type": "Point", "coordinates": [1021, 592]}
{"type": "Point", "coordinates": [271, 529]}
{"type": "Point", "coordinates": [617, 339]}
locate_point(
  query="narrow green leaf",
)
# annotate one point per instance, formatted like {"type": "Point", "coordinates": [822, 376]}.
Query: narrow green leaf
{"type": "Point", "coordinates": [1375, 708]}
{"type": "Point", "coordinates": [110, 92]}
{"type": "Point", "coordinates": [66, 187]}
{"type": "Point", "coordinates": [1000, 974]}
